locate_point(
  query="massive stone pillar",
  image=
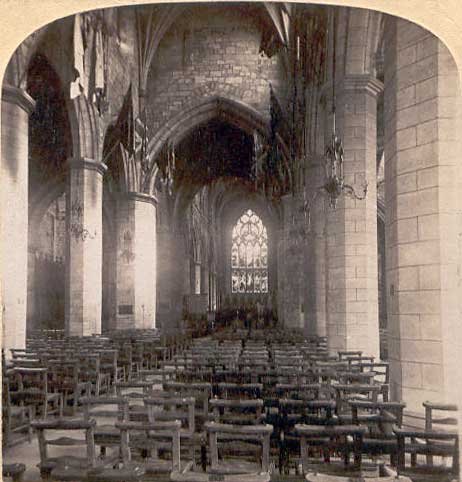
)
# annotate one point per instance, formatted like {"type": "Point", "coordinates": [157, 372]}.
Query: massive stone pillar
{"type": "Point", "coordinates": [315, 289]}
{"type": "Point", "coordinates": [136, 261]}
{"type": "Point", "coordinates": [352, 292]}
{"type": "Point", "coordinates": [84, 261]}
{"type": "Point", "coordinates": [173, 275]}
{"type": "Point", "coordinates": [16, 107]}
{"type": "Point", "coordinates": [205, 283]}
{"type": "Point", "coordinates": [197, 279]}
{"type": "Point", "coordinates": [291, 265]}
{"type": "Point", "coordinates": [213, 297]}
{"type": "Point", "coordinates": [422, 191]}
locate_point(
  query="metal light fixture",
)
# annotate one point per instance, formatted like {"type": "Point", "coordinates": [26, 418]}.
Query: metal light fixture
{"type": "Point", "coordinates": [334, 185]}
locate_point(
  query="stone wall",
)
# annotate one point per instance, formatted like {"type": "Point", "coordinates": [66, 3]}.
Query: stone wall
{"type": "Point", "coordinates": [421, 166]}
{"type": "Point", "coordinates": [214, 52]}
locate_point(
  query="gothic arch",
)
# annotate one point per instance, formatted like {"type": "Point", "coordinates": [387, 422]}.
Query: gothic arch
{"type": "Point", "coordinates": [364, 30]}
{"type": "Point", "coordinates": [85, 129]}
{"type": "Point", "coordinates": [234, 112]}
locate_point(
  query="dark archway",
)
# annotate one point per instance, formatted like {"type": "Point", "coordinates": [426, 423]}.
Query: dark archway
{"type": "Point", "coordinates": [50, 146]}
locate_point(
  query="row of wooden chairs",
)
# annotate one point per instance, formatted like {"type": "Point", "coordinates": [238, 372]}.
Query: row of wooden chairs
{"type": "Point", "coordinates": [324, 443]}
{"type": "Point", "coordinates": [148, 450]}
{"type": "Point", "coordinates": [379, 417]}
{"type": "Point", "coordinates": [345, 396]}
{"type": "Point", "coordinates": [53, 373]}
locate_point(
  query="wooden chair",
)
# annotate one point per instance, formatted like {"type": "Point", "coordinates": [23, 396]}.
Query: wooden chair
{"type": "Point", "coordinates": [259, 434]}
{"type": "Point", "coordinates": [63, 377]}
{"type": "Point", "coordinates": [298, 391]}
{"type": "Point", "coordinates": [382, 375]}
{"type": "Point", "coordinates": [15, 419]}
{"type": "Point", "coordinates": [237, 412]}
{"type": "Point", "coordinates": [125, 358]}
{"type": "Point", "coordinates": [32, 389]}
{"type": "Point", "coordinates": [13, 471]}
{"type": "Point", "coordinates": [326, 449]}
{"type": "Point", "coordinates": [90, 372]}
{"type": "Point", "coordinates": [345, 354]}
{"type": "Point", "coordinates": [438, 417]}
{"type": "Point", "coordinates": [159, 375]}
{"type": "Point", "coordinates": [224, 464]}
{"type": "Point", "coordinates": [297, 411]}
{"type": "Point", "coordinates": [242, 391]}
{"type": "Point", "coordinates": [416, 458]}
{"type": "Point", "coordinates": [27, 362]}
{"type": "Point", "coordinates": [201, 392]}
{"type": "Point", "coordinates": [69, 465]}
{"type": "Point", "coordinates": [353, 391]}
{"type": "Point", "coordinates": [181, 409]}
{"type": "Point", "coordinates": [314, 477]}
{"type": "Point", "coordinates": [380, 418]}
{"type": "Point", "coordinates": [109, 367]}
{"type": "Point", "coordinates": [135, 391]}
{"type": "Point", "coordinates": [355, 377]}
{"type": "Point", "coordinates": [107, 411]}
{"type": "Point", "coordinates": [153, 464]}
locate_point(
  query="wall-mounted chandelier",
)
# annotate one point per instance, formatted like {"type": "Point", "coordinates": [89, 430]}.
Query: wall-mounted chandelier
{"type": "Point", "coordinates": [334, 185]}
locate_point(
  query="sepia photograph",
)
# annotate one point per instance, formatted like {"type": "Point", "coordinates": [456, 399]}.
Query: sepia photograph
{"type": "Point", "coordinates": [231, 241]}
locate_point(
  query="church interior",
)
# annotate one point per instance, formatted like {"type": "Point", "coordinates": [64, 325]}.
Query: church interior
{"type": "Point", "coordinates": [231, 243]}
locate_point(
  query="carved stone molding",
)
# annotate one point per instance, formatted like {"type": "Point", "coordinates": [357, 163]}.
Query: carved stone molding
{"type": "Point", "coordinates": [19, 97]}
{"type": "Point", "coordinates": [89, 164]}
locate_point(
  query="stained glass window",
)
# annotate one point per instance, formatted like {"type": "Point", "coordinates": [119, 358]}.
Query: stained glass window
{"type": "Point", "coordinates": [249, 255]}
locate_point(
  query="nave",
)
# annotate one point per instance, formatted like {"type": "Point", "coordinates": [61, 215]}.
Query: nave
{"type": "Point", "coordinates": [235, 405]}
{"type": "Point", "coordinates": [233, 192]}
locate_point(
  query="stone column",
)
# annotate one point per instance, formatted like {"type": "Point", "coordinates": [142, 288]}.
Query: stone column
{"type": "Point", "coordinates": [214, 292]}
{"type": "Point", "coordinates": [173, 275]}
{"type": "Point", "coordinates": [16, 108]}
{"type": "Point", "coordinates": [423, 226]}
{"type": "Point", "coordinates": [315, 291]}
{"type": "Point", "coordinates": [205, 283]}
{"type": "Point", "coordinates": [136, 261]}
{"type": "Point", "coordinates": [84, 261]}
{"type": "Point", "coordinates": [291, 260]}
{"type": "Point", "coordinates": [352, 292]}
{"type": "Point", "coordinates": [197, 279]}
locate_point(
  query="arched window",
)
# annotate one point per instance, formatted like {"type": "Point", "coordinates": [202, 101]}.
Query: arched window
{"type": "Point", "coordinates": [249, 255]}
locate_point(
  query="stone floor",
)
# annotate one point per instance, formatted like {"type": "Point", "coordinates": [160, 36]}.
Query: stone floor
{"type": "Point", "coordinates": [28, 454]}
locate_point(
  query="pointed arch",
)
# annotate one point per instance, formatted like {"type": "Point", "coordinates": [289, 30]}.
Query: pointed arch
{"type": "Point", "coordinates": [232, 111]}
{"type": "Point", "coordinates": [85, 129]}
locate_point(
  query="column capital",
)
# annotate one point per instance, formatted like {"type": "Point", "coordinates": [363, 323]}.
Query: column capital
{"type": "Point", "coordinates": [363, 82]}
{"type": "Point", "coordinates": [88, 164]}
{"type": "Point", "coordinates": [357, 82]}
{"type": "Point", "coordinates": [142, 197]}
{"type": "Point", "coordinates": [19, 97]}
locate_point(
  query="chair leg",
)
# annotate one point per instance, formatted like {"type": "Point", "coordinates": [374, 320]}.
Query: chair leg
{"type": "Point", "coordinates": [45, 475]}
{"type": "Point", "coordinates": [29, 427]}
{"type": "Point", "coordinates": [203, 456]}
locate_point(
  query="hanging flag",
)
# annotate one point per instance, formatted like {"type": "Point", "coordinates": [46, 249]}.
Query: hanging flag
{"type": "Point", "coordinates": [123, 131]}
{"type": "Point", "coordinates": [98, 91]}
{"type": "Point", "coordinates": [79, 84]}
{"type": "Point", "coordinates": [276, 115]}
{"type": "Point", "coordinates": [270, 43]}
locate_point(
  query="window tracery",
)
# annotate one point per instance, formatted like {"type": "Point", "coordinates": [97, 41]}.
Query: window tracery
{"type": "Point", "coordinates": [249, 255]}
